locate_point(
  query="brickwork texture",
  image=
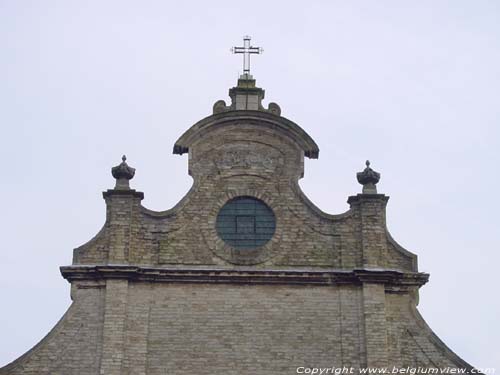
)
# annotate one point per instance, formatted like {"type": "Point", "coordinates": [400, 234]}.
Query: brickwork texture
{"type": "Point", "coordinates": [160, 293]}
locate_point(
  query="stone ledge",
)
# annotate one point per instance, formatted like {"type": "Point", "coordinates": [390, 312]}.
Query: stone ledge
{"type": "Point", "coordinates": [129, 192]}
{"type": "Point", "coordinates": [323, 277]}
{"type": "Point", "coordinates": [353, 199]}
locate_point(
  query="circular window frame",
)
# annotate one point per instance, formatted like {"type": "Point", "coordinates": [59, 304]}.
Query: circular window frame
{"type": "Point", "coordinates": [244, 256]}
{"type": "Point", "coordinates": [245, 216]}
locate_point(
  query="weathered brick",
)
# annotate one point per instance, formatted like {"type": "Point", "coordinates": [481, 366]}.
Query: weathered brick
{"type": "Point", "coordinates": [160, 292]}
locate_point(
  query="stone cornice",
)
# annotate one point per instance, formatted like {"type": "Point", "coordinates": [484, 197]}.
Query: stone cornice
{"type": "Point", "coordinates": [246, 275]}
{"type": "Point", "coordinates": [129, 192]}
{"type": "Point", "coordinates": [355, 199]}
{"type": "Point", "coordinates": [266, 119]}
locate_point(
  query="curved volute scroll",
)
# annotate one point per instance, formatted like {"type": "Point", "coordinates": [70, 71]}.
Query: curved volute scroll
{"type": "Point", "coordinates": [246, 96]}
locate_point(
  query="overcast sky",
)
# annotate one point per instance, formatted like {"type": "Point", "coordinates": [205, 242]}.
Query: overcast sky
{"type": "Point", "coordinates": [412, 85]}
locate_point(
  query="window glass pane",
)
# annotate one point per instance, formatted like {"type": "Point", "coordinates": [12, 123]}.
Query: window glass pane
{"type": "Point", "coordinates": [246, 223]}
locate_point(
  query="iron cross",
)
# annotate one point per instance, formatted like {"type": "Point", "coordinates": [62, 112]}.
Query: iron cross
{"type": "Point", "coordinates": [246, 50]}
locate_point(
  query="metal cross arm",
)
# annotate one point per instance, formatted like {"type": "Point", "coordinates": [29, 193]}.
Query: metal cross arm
{"type": "Point", "coordinates": [246, 50]}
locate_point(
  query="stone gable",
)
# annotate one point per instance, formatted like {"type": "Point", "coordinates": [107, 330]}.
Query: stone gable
{"type": "Point", "coordinates": [166, 293]}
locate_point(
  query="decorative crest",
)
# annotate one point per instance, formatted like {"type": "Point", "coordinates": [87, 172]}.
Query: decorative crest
{"type": "Point", "coordinates": [123, 173]}
{"type": "Point", "coordinates": [368, 178]}
{"type": "Point", "coordinates": [246, 50]}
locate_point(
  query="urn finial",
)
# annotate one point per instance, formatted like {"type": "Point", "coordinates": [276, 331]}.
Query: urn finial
{"type": "Point", "coordinates": [368, 178]}
{"type": "Point", "coordinates": [123, 173]}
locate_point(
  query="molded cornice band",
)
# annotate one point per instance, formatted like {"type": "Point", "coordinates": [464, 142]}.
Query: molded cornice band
{"type": "Point", "coordinates": [323, 277]}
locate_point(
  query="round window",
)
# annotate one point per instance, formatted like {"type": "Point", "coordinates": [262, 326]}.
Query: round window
{"type": "Point", "coordinates": [246, 223]}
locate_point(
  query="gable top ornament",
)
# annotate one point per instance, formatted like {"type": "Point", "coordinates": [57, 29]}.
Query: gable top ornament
{"type": "Point", "coordinates": [247, 50]}
{"type": "Point", "coordinates": [246, 95]}
{"type": "Point", "coordinates": [368, 178]}
{"type": "Point", "coordinates": [123, 173]}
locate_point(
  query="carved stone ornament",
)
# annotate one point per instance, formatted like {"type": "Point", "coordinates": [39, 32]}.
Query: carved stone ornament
{"type": "Point", "coordinates": [368, 178]}
{"type": "Point", "coordinates": [123, 173]}
{"type": "Point", "coordinates": [244, 159]}
{"type": "Point", "coordinates": [220, 106]}
{"type": "Point", "coordinates": [274, 109]}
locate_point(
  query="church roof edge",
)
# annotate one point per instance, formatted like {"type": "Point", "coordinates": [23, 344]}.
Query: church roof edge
{"type": "Point", "coordinates": [295, 132]}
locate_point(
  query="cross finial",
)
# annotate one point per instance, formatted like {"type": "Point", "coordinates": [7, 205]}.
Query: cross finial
{"type": "Point", "coordinates": [246, 50]}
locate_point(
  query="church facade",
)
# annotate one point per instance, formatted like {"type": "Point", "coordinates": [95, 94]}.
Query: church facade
{"type": "Point", "coordinates": [244, 275]}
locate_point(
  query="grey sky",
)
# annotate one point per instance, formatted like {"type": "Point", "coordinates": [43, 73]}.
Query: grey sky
{"type": "Point", "coordinates": [412, 85]}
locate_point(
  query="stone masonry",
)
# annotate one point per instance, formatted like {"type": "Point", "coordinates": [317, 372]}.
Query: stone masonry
{"type": "Point", "coordinates": [162, 293]}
